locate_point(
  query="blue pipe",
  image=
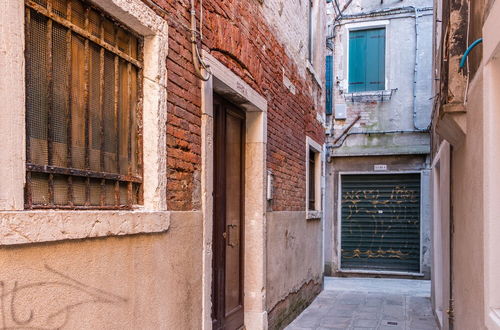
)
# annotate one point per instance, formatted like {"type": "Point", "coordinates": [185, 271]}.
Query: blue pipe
{"type": "Point", "coordinates": [464, 58]}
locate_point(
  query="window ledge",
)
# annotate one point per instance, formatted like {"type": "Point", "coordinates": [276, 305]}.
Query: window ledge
{"type": "Point", "coordinates": [314, 215]}
{"type": "Point", "coordinates": [380, 95]}
{"type": "Point", "coordinates": [24, 227]}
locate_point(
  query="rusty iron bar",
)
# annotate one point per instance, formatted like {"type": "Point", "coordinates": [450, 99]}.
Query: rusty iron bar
{"type": "Point", "coordinates": [50, 102]}
{"type": "Point", "coordinates": [86, 97]}
{"type": "Point", "coordinates": [69, 101]}
{"type": "Point", "coordinates": [130, 127]}
{"type": "Point", "coordinates": [139, 113]}
{"type": "Point", "coordinates": [28, 193]}
{"type": "Point", "coordinates": [82, 207]}
{"type": "Point", "coordinates": [70, 172]}
{"type": "Point", "coordinates": [347, 129]}
{"type": "Point", "coordinates": [117, 122]}
{"type": "Point", "coordinates": [101, 111]}
{"type": "Point", "coordinates": [48, 169]}
{"type": "Point", "coordinates": [87, 35]}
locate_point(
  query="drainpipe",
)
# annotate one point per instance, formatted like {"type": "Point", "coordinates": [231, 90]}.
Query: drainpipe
{"type": "Point", "coordinates": [415, 74]}
{"type": "Point", "coordinates": [198, 62]}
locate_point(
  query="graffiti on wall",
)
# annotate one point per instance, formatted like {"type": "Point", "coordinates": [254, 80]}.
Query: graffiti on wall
{"type": "Point", "coordinates": [48, 304]}
{"type": "Point", "coordinates": [387, 213]}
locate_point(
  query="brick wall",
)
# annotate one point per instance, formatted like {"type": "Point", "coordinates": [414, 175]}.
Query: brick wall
{"type": "Point", "coordinates": [236, 33]}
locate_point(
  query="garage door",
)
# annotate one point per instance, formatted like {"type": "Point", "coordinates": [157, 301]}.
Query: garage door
{"type": "Point", "coordinates": [380, 217]}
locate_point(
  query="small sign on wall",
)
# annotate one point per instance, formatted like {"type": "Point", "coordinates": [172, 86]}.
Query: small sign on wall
{"type": "Point", "coordinates": [380, 167]}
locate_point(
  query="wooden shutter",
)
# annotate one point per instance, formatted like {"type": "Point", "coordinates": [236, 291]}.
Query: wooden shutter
{"type": "Point", "coordinates": [357, 61]}
{"type": "Point", "coordinates": [375, 59]}
{"type": "Point", "coordinates": [329, 84]}
{"type": "Point", "coordinates": [366, 60]}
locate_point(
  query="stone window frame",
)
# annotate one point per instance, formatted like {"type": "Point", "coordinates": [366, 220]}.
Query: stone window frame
{"type": "Point", "coordinates": [317, 213]}
{"type": "Point", "coordinates": [20, 226]}
{"type": "Point", "coordinates": [357, 26]}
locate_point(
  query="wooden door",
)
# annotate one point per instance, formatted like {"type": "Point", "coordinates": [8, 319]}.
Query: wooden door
{"type": "Point", "coordinates": [227, 287]}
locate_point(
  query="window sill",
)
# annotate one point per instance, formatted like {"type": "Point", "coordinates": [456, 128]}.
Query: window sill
{"type": "Point", "coordinates": [380, 95]}
{"type": "Point", "coordinates": [314, 215]}
{"type": "Point", "coordinates": [24, 227]}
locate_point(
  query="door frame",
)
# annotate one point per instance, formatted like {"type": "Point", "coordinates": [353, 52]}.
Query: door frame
{"type": "Point", "coordinates": [339, 222]}
{"type": "Point", "coordinates": [230, 110]}
{"type": "Point", "coordinates": [224, 82]}
{"type": "Point", "coordinates": [441, 238]}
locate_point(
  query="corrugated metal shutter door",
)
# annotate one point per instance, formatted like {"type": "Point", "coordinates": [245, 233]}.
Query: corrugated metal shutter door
{"type": "Point", "coordinates": [381, 222]}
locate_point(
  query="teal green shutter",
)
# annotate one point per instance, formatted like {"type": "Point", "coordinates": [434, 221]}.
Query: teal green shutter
{"type": "Point", "coordinates": [366, 60]}
{"type": "Point", "coordinates": [357, 61]}
{"type": "Point", "coordinates": [329, 84]}
{"type": "Point", "coordinates": [375, 59]}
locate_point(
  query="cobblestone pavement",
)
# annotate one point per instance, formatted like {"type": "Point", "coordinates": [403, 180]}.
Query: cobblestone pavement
{"type": "Point", "coordinates": [361, 303]}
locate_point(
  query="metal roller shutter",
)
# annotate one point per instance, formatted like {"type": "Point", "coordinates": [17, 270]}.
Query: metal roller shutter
{"type": "Point", "coordinates": [381, 222]}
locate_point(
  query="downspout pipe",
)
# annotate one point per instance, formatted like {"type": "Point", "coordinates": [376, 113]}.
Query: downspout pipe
{"type": "Point", "coordinates": [471, 47]}
{"type": "Point", "coordinates": [415, 75]}
{"type": "Point", "coordinates": [197, 60]}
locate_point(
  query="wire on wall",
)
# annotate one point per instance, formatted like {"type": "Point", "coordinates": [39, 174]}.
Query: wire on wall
{"type": "Point", "coordinates": [202, 70]}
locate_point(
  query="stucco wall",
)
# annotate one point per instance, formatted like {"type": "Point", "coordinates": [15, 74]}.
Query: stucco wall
{"type": "Point", "coordinates": [365, 164]}
{"type": "Point", "coordinates": [132, 282]}
{"type": "Point", "coordinates": [294, 265]}
{"type": "Point", "coordinates": [396, 111]}
{"type": "Point", "coordinates": [288, 19]}
{"type": "Point", "coordinates": [467, 217]}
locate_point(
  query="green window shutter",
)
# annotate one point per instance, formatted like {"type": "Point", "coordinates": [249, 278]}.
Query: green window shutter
{"type": "Point", "coordinates": [329, 84]}
{"type": "Point", "coordinates": [366, 60]}
{"type": "Point", "coordinates": [357, 61]}
{"type": "Point", "coordinates": [375, 59]}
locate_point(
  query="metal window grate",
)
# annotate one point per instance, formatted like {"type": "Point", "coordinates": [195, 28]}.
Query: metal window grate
{"type": "Point", "coordinates": [83, 108]}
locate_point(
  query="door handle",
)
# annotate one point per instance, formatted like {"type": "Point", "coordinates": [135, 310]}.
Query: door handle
{"type": "Point", "coordinates": [229, 242]}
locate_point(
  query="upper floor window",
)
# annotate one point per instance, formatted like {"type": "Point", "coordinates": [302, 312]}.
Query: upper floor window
{"type": "Point", "coordinates": [83, 115]}
{"type": "Point", "coordinates": [366, 60]}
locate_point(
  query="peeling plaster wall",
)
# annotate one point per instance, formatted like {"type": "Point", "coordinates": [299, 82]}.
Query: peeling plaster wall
{"type": "Point", "coordinates": [294, 266]}
{"type": "Point", "coordinates": [467, 188]}
{"type": "Point", "coordinates": [396, 111]}
{"type": "Point", "coordinates": [110, 283]}
{"type": "Point", "coordinates": [154, 281]}
{"type": "Point", "coordinates": [288, 19]}
{"type": "Point", "coordinates": [393, 112]}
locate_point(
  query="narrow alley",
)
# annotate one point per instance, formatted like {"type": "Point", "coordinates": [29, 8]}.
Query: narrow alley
{"type": "Point", "coordinates": [369, 303]}
{"type": "Point", "coordinates": [250, 164]}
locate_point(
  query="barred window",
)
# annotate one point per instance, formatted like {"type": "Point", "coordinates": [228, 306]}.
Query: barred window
{"type": "Point", "coordinates": [83, 108]}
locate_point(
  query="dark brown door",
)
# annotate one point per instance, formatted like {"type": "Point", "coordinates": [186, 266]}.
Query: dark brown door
{"type": "Point", "coordinates": [227, 288]}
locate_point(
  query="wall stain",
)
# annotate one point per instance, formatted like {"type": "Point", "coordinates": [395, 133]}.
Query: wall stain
{"type": "Point", "coordinates": [48, 305]}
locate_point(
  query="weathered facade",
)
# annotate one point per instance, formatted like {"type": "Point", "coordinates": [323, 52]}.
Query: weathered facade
{"type": "Point", "coordinates": [140, 251]}
{"type": "Point", "coordinates": [378, 139]}
{"type": "Point", "coordinates": [465, 164]}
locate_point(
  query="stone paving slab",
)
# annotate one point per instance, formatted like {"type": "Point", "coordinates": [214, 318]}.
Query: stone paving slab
{"type": "Point", "coordinates": [365, 303]}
